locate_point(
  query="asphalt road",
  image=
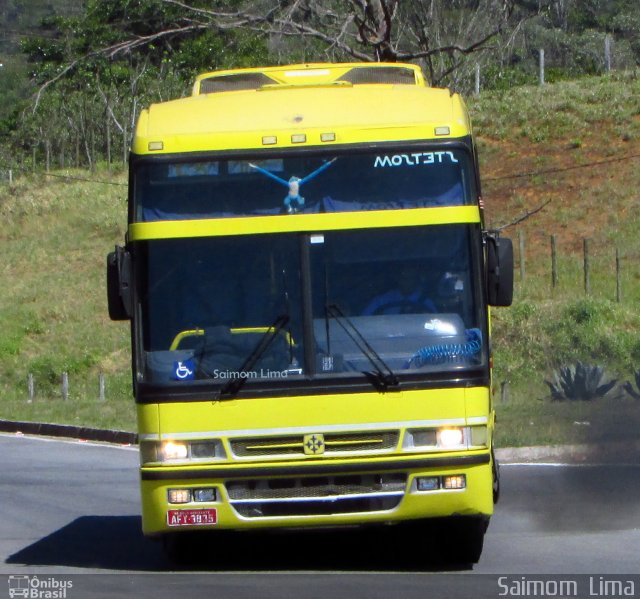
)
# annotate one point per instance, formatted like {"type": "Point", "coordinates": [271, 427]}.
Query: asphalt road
{"type": "Point", "coordinates": [69, 512]}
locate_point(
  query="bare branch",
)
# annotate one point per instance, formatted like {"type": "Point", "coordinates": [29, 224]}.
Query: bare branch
{"type": "Point", "coordinates": [294, 28]}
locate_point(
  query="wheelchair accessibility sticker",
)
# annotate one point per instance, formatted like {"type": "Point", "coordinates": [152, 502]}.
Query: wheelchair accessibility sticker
{"type": "Point", "coordinates": [184, 370]}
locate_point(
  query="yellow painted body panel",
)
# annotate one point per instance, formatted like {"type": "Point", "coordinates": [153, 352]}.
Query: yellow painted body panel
{"type": "Point", "coordinates": [311, 100]}
{"type": "Point", "coordinates": [253, 418]}
{"type": "Point", "coordinates": [355, 113]}
{"type": "Point", "coordinates": [253, 225]}
{"type": "Point", "coordinates": [473, 501]}
{"type": "Point", "coordinates": [357, 409]}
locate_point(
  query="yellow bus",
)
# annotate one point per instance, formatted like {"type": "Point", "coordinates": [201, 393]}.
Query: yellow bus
{"type": "Point", "coordinates": [308, 280]}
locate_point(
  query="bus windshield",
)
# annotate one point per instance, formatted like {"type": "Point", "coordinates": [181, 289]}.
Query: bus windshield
{"type": "Point", "coordinates": [405, 178]}
{"type": "Point", "coordinates": [298, 306]}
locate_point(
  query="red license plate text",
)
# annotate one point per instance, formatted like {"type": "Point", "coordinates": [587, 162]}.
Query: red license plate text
{"type": "Point", "coordinates": [192, 517]}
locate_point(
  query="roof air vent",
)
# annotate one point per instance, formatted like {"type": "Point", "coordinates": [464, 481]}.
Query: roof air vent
{"type": "Point", "coordinates": [232, 83]}
{"type": "Point", "coordinates": [393, 75]}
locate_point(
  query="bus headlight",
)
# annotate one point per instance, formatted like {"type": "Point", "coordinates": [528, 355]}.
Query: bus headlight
{"type": "Point", "coordinates": [173, 450]}
{"type": "Point", "coordinates": [181, 451]}
{"type": "Point", "coordinates": [450, 438]}
{"type": "Point", "coordinates": [444, 438]}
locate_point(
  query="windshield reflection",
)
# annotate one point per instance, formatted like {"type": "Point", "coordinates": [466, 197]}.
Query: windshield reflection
{"type": "Point", "coordinates": [382, 303]}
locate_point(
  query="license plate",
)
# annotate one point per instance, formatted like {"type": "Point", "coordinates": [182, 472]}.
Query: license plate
{"type": "Point", "coordinates": [192, 517]}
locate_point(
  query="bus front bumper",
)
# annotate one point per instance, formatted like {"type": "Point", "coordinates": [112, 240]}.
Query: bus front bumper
{"type": "Point", "coordinates": [320, 493]}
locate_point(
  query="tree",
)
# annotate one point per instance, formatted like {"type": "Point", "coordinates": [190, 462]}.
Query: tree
{"type": "Point", "coordinates": [438, 32]}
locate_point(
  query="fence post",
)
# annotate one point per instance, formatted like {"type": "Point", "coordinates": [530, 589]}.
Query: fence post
{"type": "Point", "coordinates": [618, 284]}
{"type": "Point", "coordinates": [587, 267]}
{"type": "Point", "coordinates": [521, 256]}
{"type": "Point", "coordinates": [125, 145]}
{"type": "Point", "coordinates": [101, 386]}
{"type": "Point", "coordinates": [554, 263]}
{"type": "Point", "coordinates": [541, 65]}
{"type": "Point", "coordinates": [65, 386]}
{"type": "Point", "coordinates": [31, 387]}
{"type": "Point", "coordinates": [504, 391]}
{"type": "Point", "coordinates": [108, 144]}
{"type": "Point", "coordinates": [477, 86]}
{"type": "Point", "coordinates": [607, 53]}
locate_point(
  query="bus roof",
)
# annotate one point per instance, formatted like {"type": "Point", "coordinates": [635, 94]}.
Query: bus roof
{"type": "Point", "coordinates": [311, 105]}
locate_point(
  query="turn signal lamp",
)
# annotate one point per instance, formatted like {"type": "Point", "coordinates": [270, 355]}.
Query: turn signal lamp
{"type": "Point", "coordinates": [204, 495]}
{"type": "Point", "coordinates": [179, 495]}
{"type": "Point", "coordinates": [455, 481]}
{"type": "Point", "coordinates": [428, 483]}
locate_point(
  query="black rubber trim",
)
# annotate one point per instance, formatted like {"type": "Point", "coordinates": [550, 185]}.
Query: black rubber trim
{"type": "Point", "coordinates": [313, 469]}
{"type": "Point", "coordinates": [156, 393]}
{"type": "Point", "coordinates": [68, 432]}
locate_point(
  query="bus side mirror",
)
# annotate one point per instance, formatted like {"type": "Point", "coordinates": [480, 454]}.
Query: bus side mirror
{"type": "Point", "coordinates": [499, 271]}
{"type": "Point", "coordinates": [119, 284]}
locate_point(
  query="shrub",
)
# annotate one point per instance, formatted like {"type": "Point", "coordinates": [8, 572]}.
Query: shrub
{"type": "Point", "coordinates": [580, 382]}
{"type": "Point", "coordinates": [628, 386]}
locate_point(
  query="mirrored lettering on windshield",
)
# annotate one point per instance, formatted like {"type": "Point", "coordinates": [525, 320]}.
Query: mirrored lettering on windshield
{"type": "Point", "coordinates": [302, 184]}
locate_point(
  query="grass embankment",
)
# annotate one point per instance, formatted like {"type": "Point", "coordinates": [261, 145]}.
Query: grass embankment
{"type": "Point", "coordinates": [581, 141]}
{"type": "Point", "coordinates": [56, 234]}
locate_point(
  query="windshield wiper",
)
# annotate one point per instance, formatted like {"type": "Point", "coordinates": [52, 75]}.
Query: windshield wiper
{"type": "Point", "coordinates": [232, 388]}
{"type": "Point", "coordinates": [382, 377]}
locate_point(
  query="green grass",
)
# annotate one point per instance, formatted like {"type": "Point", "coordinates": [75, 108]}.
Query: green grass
{"type": "Point", "coordinates": [574, 109]}
{"type": "Point", "coordinates": [56, 234]}
{"type": "Point", "coordinates": [53, 316]}
{"type": "Point", "coordinates": [540, 422]}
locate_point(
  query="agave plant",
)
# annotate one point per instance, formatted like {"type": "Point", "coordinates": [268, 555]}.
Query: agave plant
{"type": "Point", "coordinates": [580, 382]}
{"type": "Point", "coordinates": [628, 386]}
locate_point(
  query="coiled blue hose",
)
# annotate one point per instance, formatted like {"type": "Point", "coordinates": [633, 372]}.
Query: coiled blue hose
{"type": "Point", "coordinates": [448, 352]}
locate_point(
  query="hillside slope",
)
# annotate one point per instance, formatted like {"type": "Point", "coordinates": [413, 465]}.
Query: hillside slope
{"type": "Point", "coordinates": [575, 145]}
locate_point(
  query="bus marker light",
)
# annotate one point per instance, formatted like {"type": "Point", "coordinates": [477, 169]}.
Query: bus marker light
{"type": "Point", "coordinates": [156, 145]}
{"type": "Point", "coordinates": [428, 483]}
{"type": "Point", "coordinates": [179, 495]}
{"type": "Point", "coordinates": [269, 140]}
{"type": "Point", "coordinates": [204, 495]}
{"type": "Point", "coordinates": [442, 131]}
{"type": "Point", "coordinates": [454, 481]}
{"type": "Point", "coordinates": [424, 437]}
{"type": "Point", "coordinates": [327, 137]}
{"type": "Point", "coordinates": [204, 449]}
{"type": "Point", "coordinates": [298, 138]}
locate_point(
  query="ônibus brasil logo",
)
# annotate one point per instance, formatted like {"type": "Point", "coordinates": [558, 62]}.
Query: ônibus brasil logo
{"type": "Point", "coordinates": [38, 588]}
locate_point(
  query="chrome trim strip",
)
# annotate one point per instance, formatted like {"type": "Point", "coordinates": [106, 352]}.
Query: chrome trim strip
{"type": "Point", "coordinates": [316, 428]}
{"type": "Point", "coordinates": [325, 498]}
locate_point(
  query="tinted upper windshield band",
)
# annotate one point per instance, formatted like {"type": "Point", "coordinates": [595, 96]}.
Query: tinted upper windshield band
{"type": "Point", "coordinates": [380, 180]}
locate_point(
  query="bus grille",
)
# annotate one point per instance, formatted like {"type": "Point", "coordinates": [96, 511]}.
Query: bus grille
{"type": "Point", "coordinates": [308, 496]}
{"type": "Point", "coordinates": [334, 443]}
